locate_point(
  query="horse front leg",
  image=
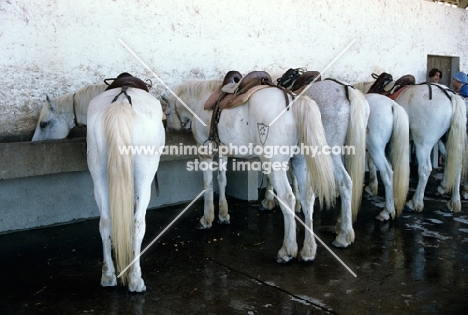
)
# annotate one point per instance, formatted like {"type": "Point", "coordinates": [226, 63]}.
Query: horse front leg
{"type": "Point", "coordinates": [268, 202]}
{"type": "Point", "coordinates": [207, 219]}
{"type": "Point", "coordinates": [224, 217]}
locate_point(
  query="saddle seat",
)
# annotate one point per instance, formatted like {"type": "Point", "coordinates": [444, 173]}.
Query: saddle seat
{"type": "Point", "coordinates": [305, 79]}
{"type": "Point", "coordinates": [237, 90]}
{"type": "Point", "coordinates": [126, 79]}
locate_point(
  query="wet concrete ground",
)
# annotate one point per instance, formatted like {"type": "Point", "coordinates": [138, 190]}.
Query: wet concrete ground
{"type": "Point", "coordinates": [417, 264]}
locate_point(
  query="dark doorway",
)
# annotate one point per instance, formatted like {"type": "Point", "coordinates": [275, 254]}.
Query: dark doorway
{"type": "Point", "coordinates": [446, 64]}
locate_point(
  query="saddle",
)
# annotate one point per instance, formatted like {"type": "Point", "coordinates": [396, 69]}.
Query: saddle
{"type": "Point", "coordinates": [126, 79]}
{"type": "Point", "coordinates": [288, 78]}
{"type": "Point", "coordinates": [404, 81]}
{"type": "Point", "coordinates": [234, 91]}
{"type": "Point", "coordinates": [305, 79]}
{"type": "Point", "coordinates": [381, 81]}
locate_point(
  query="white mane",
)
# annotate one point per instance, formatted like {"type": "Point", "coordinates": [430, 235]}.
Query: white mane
{"type": "Point", "coordinates": [64, 103]}
{"type": "Point", "coordinates": [197, 88]}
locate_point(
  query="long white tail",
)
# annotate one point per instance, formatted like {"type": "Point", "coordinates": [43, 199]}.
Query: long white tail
{"type": "Point", "coordinates": [456, 142]}
{"type": "Point", "coordinates": [356, 137]}
{"type": "Point", "coordinates": [320, 174]}
{"type": "Point", "coordinates": [399, 156]}
{"type": "Point", "coordinates": [118, 125]}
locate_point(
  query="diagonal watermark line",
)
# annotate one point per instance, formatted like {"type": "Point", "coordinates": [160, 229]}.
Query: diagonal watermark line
{"type": "Point", "coordinates": [162, 232]}
{"type": "Point", "coordinates": [310, 230]}
{"type": "Point", "coordinates": [162, 82]}
{"type": "Point", "coordinates": [311, 83]}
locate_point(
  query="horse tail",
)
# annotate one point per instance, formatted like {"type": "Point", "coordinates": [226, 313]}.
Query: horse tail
{"type": "Point", "coordinates": [356, 138]}
{"type": "Point", "coordinates": [456, 142]}
{"type": "Point", "coordinates": [118, 125]}
{"type": "Point", "coordinates": [399, 156]}
{"type": "Point", "coordinates": [320, 174]}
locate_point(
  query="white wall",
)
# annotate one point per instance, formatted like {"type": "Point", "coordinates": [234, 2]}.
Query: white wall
{"type": "Point", "coordinates": [55, 47]}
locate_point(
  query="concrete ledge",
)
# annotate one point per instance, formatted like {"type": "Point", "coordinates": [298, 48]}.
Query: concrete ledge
{"type": "Point", "coordinates": [47, 183]}
{"type": "Point", "coordinates": [25, 159]}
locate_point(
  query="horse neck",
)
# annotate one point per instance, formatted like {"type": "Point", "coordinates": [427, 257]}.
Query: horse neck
{"type": "Point", "coordinates": [195, 93]}
{"type": "Point", "coordinates": [82, 97]}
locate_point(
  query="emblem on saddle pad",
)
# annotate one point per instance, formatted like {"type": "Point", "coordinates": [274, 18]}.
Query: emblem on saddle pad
{"type": "Point", "coordinates": [263, 132]}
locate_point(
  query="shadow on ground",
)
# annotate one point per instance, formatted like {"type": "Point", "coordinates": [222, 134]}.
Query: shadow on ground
{"type": "Point", "coordinates": [416, 264]}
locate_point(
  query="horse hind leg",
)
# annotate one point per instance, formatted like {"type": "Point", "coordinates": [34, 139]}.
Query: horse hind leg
{"type": "Point", "coordinates": [305, 198]}
{"type": "Point", "coordinates": [223, 217]}
{"type": "Point", "coordinates": [373, 187]}
{"type": "Point", "coordinates": [416, 203]}
{"type": "Point", "coordinates": [386, 174]}
{"type": "Point", "coordinates": [285, 194]}
{"type": "Point", "coordinates": [454, 204]}
{"type": "Point", "coordinates": [344, 226]}
{"type": "Point", "coordinates": [108, 277]}
{"type": "Point", "coordinates": [142, 198]}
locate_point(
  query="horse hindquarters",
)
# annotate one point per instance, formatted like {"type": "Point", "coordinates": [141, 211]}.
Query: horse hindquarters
{"type": "Point", "coordinates": [314, 174]}
{"type": "Point", "coordinates": [400, 151]}
{"type": "Point", "coordinates": [118, 122]}
{"type": "Point", "coordinates": [456, 142]}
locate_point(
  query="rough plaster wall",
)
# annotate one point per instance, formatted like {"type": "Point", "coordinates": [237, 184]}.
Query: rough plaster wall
{"type": "Point", "coordinates": [55, 47]}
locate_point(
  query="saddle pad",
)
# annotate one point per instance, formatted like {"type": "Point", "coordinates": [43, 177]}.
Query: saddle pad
{"type": "Point", "coordinates": [229, 101]}
{"type": "Point", "coordinates": [397, 94]}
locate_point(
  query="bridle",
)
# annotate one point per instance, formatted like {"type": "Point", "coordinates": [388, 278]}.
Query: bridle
{"type": "Point", "coordinates": [75, 117]}
{"type": "Point", "coordinates": [176, 112]}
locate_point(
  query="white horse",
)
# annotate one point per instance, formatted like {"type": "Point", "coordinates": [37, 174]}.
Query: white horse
{"type": "Point", "coordinates": [388, 121]}
{"type": "Point", "coordinates": [59, 115]}
{"type": "Point", "coordinates": [344, 113]}
{"type": "Point", "coordinates": [122, 181]}
{"type": "Point", "coordinates": [432, 111]}
{"type": "Point", "coordinates": [249, 125]}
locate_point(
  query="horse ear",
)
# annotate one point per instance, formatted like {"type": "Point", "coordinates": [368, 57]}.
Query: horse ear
{"type": "Point", "coordinates": [375, 76]}
{"type": "Point", "coordinates": [49, 102]}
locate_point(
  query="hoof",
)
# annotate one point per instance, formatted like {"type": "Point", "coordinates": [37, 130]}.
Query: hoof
{"type": "Point", "coordinates": [284, 259]}
{"type": "Point", "coordinates": [137, 286]}
{"type": "Point", "coordinates": [200, 226]}
{"type": "Point", "coordinates": [368, 191]}
{"type": "Point", "coordinates": [381, 218]}
{"type": "Point", "coordinates": [339, 244]}
{"type": "Point", "coordinates": [108, 280]}
{"type": "Point", "coordinates": [223, 222]}
{"type": "Point", "coordinates": [408, 209]}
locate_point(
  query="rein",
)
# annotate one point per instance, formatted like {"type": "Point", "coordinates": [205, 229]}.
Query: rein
{"type": "Point", "coordinates": [75, 117]}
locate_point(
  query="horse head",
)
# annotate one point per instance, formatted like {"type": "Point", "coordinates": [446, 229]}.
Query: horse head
{"type": "Point", "coordinates": [381, 81]}
{"type": "Point", "coordinates": [53, 123]}
{"type": "Point", "coordinates": [173, 118]}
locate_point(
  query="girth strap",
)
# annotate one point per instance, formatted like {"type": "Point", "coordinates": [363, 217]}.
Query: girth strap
{"type": "Point", "coordinates": [124, 92]}
{"type": "Point", "coordinates": [445, 90]}
{"type": "Point", "coordinates": [346, 86]}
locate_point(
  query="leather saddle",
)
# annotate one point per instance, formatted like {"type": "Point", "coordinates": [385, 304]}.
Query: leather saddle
{"type": "Point", "coordinates": [236, 90]}
{"type": "Point", "coordinates": [126, 79]}
{"type": "Point", "coordinates": [305, 79]}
